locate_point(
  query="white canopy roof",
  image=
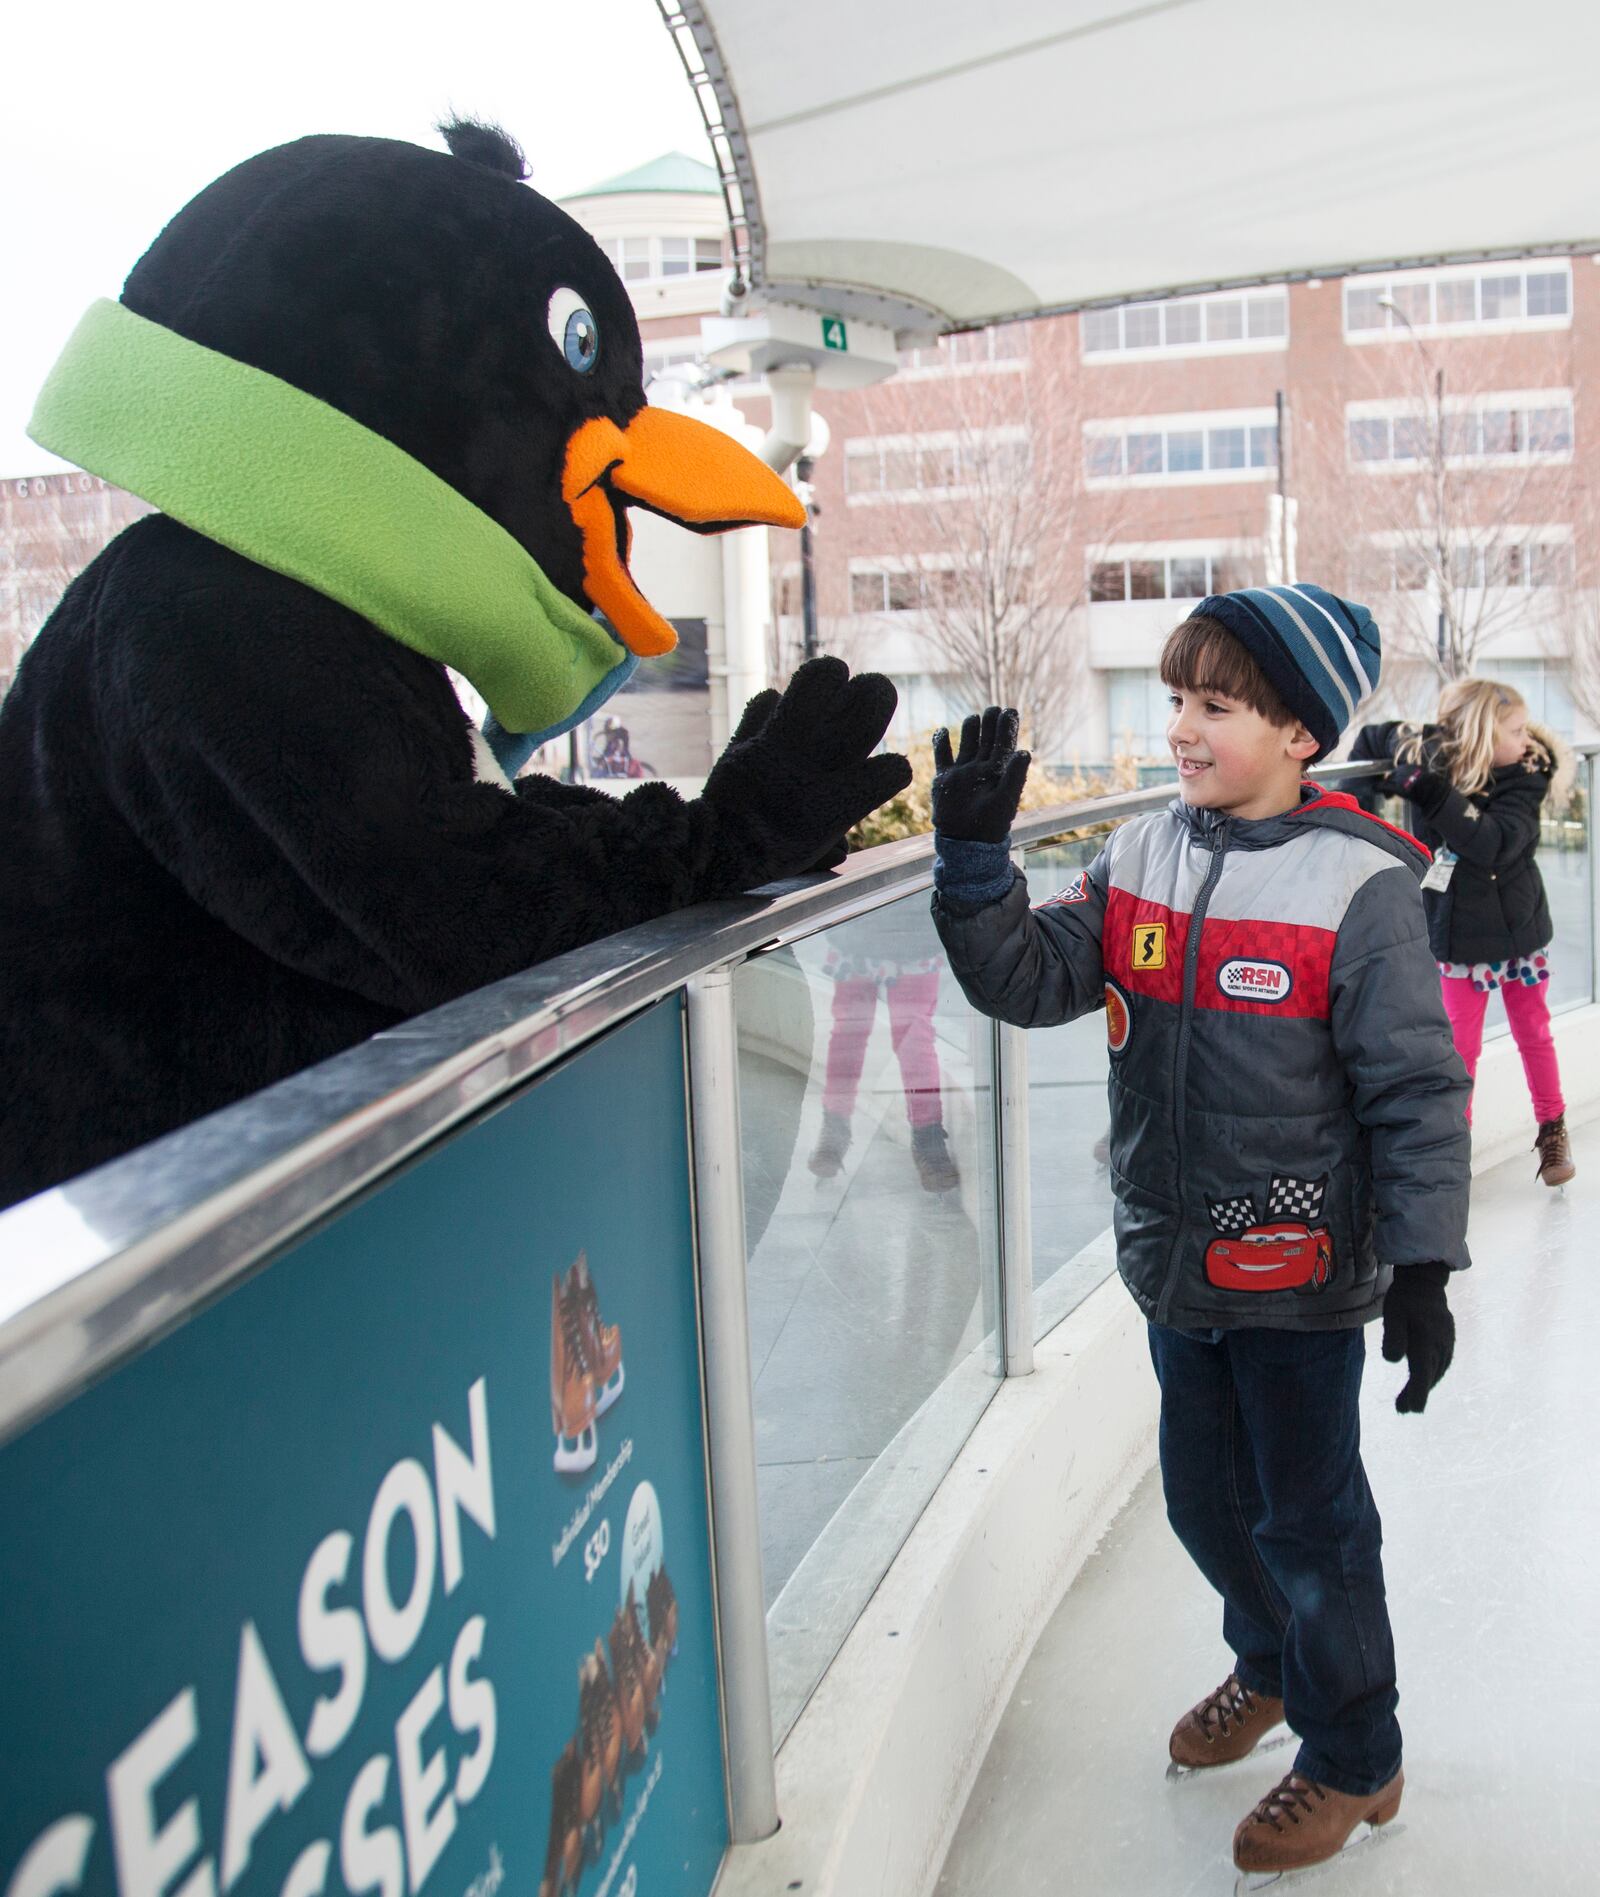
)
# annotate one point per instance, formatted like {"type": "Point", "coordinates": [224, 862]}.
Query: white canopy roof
{"type": "Point", "coordinates": [938, 162]}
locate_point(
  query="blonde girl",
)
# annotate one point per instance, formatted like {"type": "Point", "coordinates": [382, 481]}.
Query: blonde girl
{"type": "Point", "coordinates": [1476, 780]}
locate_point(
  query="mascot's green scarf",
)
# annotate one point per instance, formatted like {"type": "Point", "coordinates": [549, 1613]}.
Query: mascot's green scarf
{"type": "Point", "coordinates": [258, 465]}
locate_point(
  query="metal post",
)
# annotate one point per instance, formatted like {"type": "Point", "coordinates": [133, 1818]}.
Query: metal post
{"type": "Point", "coordinates": [808, 572]}
{"type": "Point", "coordinates": [1591, 780]}
{"type": "Point", "coordinates": [1284, 575]}
{"type": "Point", "coordinates": [1010, 1097]}
{"type": "Point", "coordinates": [730, 1408]}
{"type": "Point", "coordinates": [1438, 509]}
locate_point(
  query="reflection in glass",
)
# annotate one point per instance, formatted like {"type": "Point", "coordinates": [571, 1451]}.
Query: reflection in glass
{"type": "Point", "coordinates": [1068, 1156]}
{"type": "Point", "coordinates": [865, 1089]}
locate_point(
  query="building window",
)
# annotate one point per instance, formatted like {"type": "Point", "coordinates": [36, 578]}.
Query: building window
{"type": "Point", "coordinates": [1148, 575]}
{"type": "Point", "coordinates": [1138, 706]}
{"type": "Point", "coordinates": [1194, 448]}
{"type": "Point", "coordinates": [1550, 563]}
{"type": "Point", "coordinates": [970, 350]}
{"type": "Point", "coordinates": [1538, 294]}
{"type": "Point", "coordinates": [898, 587]}
{"type": "Point", "coordinates": [1543, 684]}
{"type": "Point", "coordinates": [1493, 428]}
{"type": "Point", "coordinates": [908, 465]}
{"type": "Point", "coordinates": [1189, 324]}
{"type": "Point", "coordinates": [643, 259]}
{"type": "Point", "coordinates": [659, 357]}
{"type": "Point", "coordinates": [1515, 558]}
{"type": "Point", "coordinates": [869, 591]}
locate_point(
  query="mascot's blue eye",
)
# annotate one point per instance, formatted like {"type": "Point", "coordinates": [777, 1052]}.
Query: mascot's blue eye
{"type": "Point", "coordinates": [573, 330]}
{"type": "Point", "coordinates": [582, 341]}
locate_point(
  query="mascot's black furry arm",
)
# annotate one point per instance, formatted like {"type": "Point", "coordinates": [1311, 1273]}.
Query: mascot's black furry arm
{"type": "Point", "coordinates": [390, 405]}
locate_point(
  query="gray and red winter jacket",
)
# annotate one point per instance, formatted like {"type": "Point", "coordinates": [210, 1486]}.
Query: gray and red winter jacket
{"type": "Point", "coordinates": [1287, 1108]}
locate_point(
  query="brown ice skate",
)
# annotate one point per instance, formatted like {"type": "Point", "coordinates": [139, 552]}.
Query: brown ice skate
{"type": "Point", "coordinates": [1225, 1726]}
{"type": "Point", "coordinates": [1300, 1823]}
{"type": "Point", "coordinates": [572, 1403]}
{"type": "Point", "coordinates": [602, 1343]}
{"type": "Point", "coordinates": [1555, 1152]}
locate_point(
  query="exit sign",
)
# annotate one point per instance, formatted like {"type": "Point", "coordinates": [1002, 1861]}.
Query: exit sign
{"type": "Point", "coordinates": [833, 336]}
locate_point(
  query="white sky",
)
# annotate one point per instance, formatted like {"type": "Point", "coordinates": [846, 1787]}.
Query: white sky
{"type": "Point", "coordinates": [116, 114]}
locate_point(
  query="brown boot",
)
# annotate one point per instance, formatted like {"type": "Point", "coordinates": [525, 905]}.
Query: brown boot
{"type": "Point", "coordinates": [1300, 1822]}
{"type": "Point", "coordinates": [1555, 1152]}
{"type": "Point", "coordinates": [1225, 1726]}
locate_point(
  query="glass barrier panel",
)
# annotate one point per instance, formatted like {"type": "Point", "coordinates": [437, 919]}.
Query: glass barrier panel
{"type": "Point", "coordinates": [1070, 1187]}
{"type": "Point", "coordinates": [866, 1102]}
{"type": "Point", "coordinates": [1567, 867]}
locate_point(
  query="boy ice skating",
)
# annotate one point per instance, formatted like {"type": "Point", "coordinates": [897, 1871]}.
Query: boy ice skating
{"type": "Point", "coordinates": [1289, 1152]}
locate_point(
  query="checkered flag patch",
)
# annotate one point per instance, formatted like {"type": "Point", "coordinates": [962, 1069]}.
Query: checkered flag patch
{"type": "Point", "coordinates": [1232, 1216]}
{"type": "Point", "coordinates": [1296, 1199]}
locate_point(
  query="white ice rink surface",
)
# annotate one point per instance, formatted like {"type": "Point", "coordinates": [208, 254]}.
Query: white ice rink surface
{"type": "Point", "coordinates": [1491, 1513]}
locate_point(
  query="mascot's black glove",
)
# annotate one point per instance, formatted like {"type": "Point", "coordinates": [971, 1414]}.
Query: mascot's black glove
{"type": "Point", "coordinates": [1417, 1325]}
{"type": "Point", "coordinates": [799, 771]}
{"type": "Point", "coordinates": [976, 793]}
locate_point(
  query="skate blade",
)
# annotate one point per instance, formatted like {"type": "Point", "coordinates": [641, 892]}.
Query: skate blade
{"type": "Point", "coordinates": [1177, 1774]}
{"type": "Point", "coordinates": [1365, 1839]}
{"type": "Point", "coordinates": [575, 1454]}
{"type": "Point", "coordinates": [609, 1394]}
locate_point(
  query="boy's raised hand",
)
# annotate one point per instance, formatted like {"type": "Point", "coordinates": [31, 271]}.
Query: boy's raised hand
{"type": "Point", "coordinates": [976, 792]}
{"type": "Point", "coordinates": [1417, 1325]}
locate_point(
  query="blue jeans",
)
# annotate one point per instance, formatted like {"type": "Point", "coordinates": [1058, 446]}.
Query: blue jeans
{"type": "Point", "coordinates": [1261, 1464]}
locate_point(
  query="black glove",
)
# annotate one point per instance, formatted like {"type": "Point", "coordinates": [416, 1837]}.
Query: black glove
{"type": "Point", "coordinates": [1417, 1325]}
{"type": "Point", "coordinates": [799, 771]}
{"type": "Point", "coordinates": [976, 793]}
{"type": "Point", "coordinates": [1416, 784]}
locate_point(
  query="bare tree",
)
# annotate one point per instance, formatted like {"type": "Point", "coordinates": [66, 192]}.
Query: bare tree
{"type": "Point", "coordinates": [1432, 500]}
{"type": "Point", "coordinates": [981, 510]}
{"type": "Point", "coordinates": [1572, 633]}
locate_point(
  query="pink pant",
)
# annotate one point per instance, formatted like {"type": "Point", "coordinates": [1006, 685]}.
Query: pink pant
{"type": "Point", "coordinates": [911, 1003]}
{"type": "Point", "coordinates": [1528, 1011]}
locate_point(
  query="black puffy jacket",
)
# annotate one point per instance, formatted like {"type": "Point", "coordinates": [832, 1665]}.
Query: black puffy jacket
{"type": "Point", "coordinates": [1287, 1108]}
{"type": "Point", "coordinates": [1495, 906]}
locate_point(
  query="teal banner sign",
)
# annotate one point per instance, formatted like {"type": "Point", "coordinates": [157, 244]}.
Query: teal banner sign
{"type": "Point", "coordinates": [389, 1572]}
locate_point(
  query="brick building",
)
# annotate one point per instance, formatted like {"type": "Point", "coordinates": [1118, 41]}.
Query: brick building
{"type": "Point", "coordinates": [1466, 512]}
{"type": "Point", "coordinates": [1095, 474]}
{"type": "Point", "coordinates": [51, 527]}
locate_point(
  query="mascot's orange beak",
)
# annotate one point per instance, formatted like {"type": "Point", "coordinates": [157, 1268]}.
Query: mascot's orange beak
{"type": "Point", "coordinates": [688, 471]}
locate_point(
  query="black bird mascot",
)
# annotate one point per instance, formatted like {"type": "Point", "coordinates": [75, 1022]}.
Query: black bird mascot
{"type": "Point", "coordinates": [390, 405]}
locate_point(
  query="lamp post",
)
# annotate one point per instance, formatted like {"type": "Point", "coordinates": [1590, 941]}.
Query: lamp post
{"type": "Point", "coordinates": [1441, 550]}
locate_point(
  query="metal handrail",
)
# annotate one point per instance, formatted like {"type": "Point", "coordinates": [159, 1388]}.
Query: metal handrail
{"type": "Point", "coordinates": [102, 1264]}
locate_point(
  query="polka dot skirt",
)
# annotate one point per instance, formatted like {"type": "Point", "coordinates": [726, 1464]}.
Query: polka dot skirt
{"type": "Point", "coordinates": [1530, 970]}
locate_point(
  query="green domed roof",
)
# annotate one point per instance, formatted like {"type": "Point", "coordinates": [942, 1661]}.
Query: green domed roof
{"type": "Point", "coordinates": [676, 171]}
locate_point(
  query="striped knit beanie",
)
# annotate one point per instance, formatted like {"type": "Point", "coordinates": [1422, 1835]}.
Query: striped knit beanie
{"type": "Point", "coordinates": [1319, 652]}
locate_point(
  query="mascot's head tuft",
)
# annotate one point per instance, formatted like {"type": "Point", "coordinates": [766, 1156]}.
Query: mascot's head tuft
{"type": "Point", "coordinates": [486, 145]}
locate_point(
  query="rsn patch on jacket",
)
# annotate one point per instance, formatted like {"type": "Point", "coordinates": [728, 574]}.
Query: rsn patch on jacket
{"type": "Point", "coordinates": [1242, 979]}
{"type": "Point", "coordinates": [1245, 965]}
